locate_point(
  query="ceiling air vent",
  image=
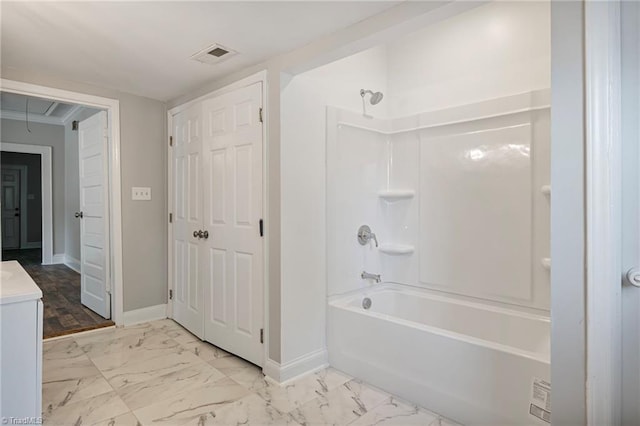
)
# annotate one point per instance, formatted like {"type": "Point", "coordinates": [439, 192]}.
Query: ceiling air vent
{"type": "Point", "coordinates": [213, 54]}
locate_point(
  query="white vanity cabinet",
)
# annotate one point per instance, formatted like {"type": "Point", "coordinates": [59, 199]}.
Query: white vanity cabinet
{"type": "Point", "coordinates": [20, 345]}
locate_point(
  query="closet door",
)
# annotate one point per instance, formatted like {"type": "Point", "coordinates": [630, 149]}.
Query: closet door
{"type": "Point", "coordinates": [232, 212]}
{"type": "Point", "coordinates": [188, 301]}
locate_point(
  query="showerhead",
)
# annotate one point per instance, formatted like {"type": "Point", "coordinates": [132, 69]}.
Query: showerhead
{"type": "Point", "coordinates": [376, 97]}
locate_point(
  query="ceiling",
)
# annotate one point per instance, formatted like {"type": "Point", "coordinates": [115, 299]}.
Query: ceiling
{"type": "Point", "coordinates": [144, 47]}
{"type": "Point", "coordinates": [14, 106]}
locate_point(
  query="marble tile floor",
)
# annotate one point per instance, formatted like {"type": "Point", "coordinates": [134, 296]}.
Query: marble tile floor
{"type": "Point", "coordinates": [158, 373]}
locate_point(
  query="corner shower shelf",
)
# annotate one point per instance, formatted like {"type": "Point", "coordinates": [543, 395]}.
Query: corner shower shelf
{"type": "Point", "coordinates": [396, 249]}
{"type": "Point", "coordinates": [396, 194]}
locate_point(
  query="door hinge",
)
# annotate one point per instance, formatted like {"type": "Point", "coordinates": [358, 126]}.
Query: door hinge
{"type": "Point", "coordinates": [261, 228]}
{"type": "Point", "coordinates": [262, 335]}
{"type": "Point", "coordinates": [170, 217]}
{"type": "Point", "coordinates": [260, 115]}
{"type": "Point", "coordinates": [170, 140]}
{"type": "Point", "coordinates": [170, 294]}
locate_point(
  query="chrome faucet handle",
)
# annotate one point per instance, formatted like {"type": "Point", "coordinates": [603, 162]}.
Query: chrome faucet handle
{"type": "Point", "coordinates": [373, 236]}
{"type": "Point", "coordinates": [365, 235]}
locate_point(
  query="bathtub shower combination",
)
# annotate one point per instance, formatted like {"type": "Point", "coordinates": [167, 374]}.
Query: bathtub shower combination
{"type": "Point", "coordinates": [456, 203]}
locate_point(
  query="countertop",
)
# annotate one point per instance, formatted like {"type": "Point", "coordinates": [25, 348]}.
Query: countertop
{"type": "Point", "coordinates": [16, 285]}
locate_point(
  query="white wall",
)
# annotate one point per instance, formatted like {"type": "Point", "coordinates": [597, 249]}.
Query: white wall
{"type": "Point", "coordinates": [498, 49]}
{"type": "Point", "coordinates": [304, 100]}
{"type": "Point", "coordinates": [495, 50]}
{"type": "Point", "coordinates": [15, 131]}
{"type": "Point", "coordinates": [72, 187]}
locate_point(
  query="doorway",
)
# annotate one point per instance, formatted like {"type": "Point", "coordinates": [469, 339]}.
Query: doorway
{"type": "Point", "coordinates": [21, 207]}
{"type": "Point", "coordinates": [71, 142]}
{"type": "Point", "coordinates": [76, 271]}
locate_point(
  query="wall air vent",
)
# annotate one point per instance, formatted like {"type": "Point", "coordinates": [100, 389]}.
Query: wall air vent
{"type": "Point", "coordinates": [213, 54]}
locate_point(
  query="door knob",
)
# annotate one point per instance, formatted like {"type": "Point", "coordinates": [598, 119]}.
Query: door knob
{"type": "Point", "coordinates": [205, 234]}
{"type": "Point", "coordinates": [634, 276]}
{"type": "Point", "coordinates": [200, 234]}
{"type": "Point", "coordinates": [79, 214]}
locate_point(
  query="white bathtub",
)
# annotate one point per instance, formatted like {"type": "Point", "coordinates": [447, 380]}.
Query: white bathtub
{"type": "Point", "coordinates": [468, 361]}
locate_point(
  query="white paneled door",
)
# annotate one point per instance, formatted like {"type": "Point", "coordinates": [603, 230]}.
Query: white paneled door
{"type": "Point", "coordinates": [232, 212]}
{"type": "Point", "coordinates": [10, 208]}
{"type": "Point", "coordinates": [94, 219]}
{"type": "Point", "coordinates": [217, 213]}
{"type": "Point", "coordinates": [188, 301]}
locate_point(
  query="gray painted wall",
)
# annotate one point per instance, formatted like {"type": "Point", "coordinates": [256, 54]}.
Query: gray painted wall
{"type": "Point", "coordinates": [33, 215]}
{"type": "Point", "coordinates": [72, 184]}
{"type": "Point", "coordinates": [15, 131]}
{"type": "Point", "coordinates": [143, 163]}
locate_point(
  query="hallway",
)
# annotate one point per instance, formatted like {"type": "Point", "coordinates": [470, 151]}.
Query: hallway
{"type": "Point", "coordinates": [60, 285]}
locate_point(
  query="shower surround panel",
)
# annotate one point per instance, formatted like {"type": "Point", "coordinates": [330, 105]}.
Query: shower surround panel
{"type": "Point", "coordinates": [456, 198]}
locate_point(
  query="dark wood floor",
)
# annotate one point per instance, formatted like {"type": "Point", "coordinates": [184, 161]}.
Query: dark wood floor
{"type": "Point", "coordinates": [60, 285]}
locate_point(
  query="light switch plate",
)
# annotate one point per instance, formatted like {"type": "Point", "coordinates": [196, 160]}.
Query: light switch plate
{"type": "Point", "coordinates": [140, 193]}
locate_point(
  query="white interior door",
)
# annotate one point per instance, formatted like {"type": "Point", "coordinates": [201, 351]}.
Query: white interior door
{"type": "Point", "coordinates": [188, 301]}
{"type": "Point", "coordinates": [233, 260]}
{"type": "Point", "coordinates": [94, 223]}
{"type": "Point", "coordinates": [10, 208]}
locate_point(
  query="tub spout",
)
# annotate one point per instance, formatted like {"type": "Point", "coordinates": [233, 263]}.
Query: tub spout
{"type": "Point", "coordinates": [367, 276]}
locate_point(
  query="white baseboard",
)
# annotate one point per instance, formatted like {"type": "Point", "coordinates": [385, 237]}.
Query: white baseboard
{"type": "Point", "coordinates": [72, 263]}
{"type": "Point", "coordinates": [150, 313]}
{"type": "Point", "coordinates": [271, 369]}
{"type": "Point", "coordinates": [300, 366]}
{"type": "Point", "coordinates": [56, 259]}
